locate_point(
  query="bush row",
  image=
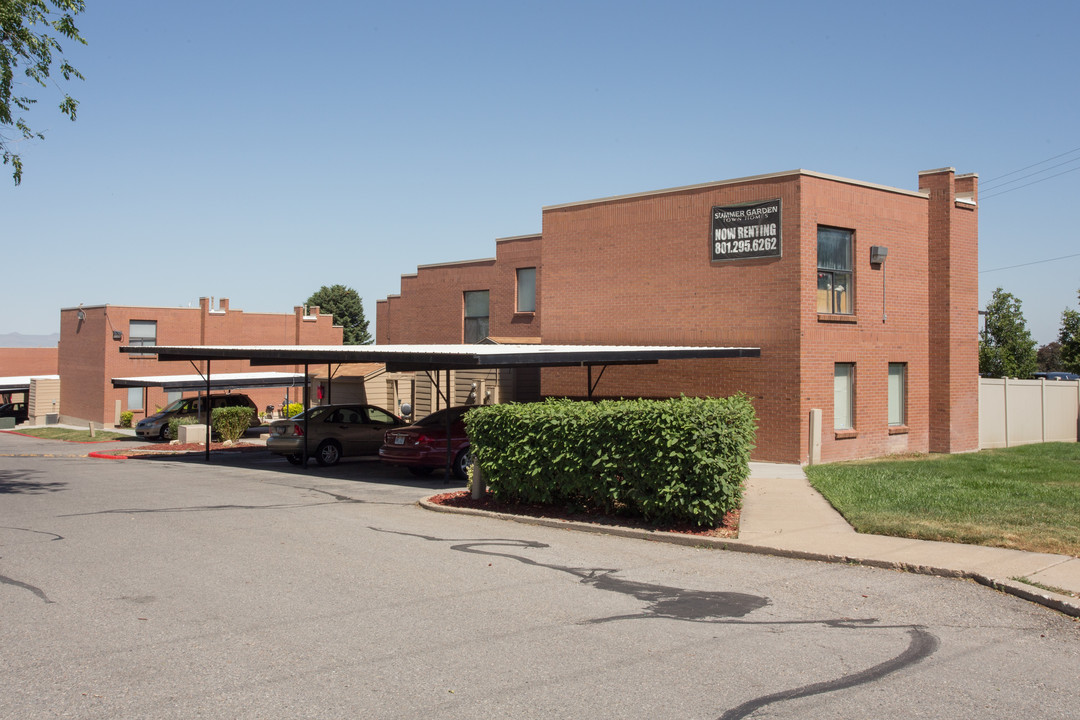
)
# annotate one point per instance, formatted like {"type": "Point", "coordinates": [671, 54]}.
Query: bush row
{"type": "Point", "coordinates": [674, 461]}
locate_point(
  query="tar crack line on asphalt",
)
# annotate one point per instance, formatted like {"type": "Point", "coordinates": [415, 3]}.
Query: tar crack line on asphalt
{"type": "Point", "coordinates": [720, 608]}
{"type": "Point", "coordinates": [5, 580]}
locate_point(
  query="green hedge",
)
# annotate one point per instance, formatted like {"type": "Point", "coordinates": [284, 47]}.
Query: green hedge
{"type": "Point", "coordinates": [229, 423]}
{"type": "Point", "coordinates": [674, 461]}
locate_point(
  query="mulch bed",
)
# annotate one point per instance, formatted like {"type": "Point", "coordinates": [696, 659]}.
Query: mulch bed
{"type": "Point", "coordinates": [185, 449]}
{"type": "Point", "coordinates": [463, 499]}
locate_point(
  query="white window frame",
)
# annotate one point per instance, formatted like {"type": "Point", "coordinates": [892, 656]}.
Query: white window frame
{"type": "Point", "coordinates": [897, 392]}
{"type": "Point", "coordinates": [844, 396]}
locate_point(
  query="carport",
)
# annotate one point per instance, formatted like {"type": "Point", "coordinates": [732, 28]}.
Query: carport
{"type": "Point", "coordinates": [443, 358]}
{"type": "Point", "coordinates": [204, 383]}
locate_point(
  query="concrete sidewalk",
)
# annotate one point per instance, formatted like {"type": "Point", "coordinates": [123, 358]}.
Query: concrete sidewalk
{"type": "Point", "coordinates": [783, 515]}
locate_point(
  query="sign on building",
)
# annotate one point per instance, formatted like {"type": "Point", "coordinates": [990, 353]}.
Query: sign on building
{"type": "Point", "coordinates": [741, 232]}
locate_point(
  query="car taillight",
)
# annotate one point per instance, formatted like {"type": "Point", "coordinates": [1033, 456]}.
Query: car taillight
{"type": "Point", "coordinates": [298, 430]}
{"type": "Point", "coordinates": [422, 439]}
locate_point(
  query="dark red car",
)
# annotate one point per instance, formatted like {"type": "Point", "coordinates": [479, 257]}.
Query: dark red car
{"type": "Point", "coordinates": [421, 447]}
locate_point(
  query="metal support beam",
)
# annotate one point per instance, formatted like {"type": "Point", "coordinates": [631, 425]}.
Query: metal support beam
{"type": "Point", "coordinates": [206, 409]}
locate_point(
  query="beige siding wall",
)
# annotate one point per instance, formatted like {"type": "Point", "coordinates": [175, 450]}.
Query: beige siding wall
{"type": "Point", "coordinates": [44, 399]}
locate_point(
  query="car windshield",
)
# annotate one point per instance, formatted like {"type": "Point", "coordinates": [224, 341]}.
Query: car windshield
{"type": "Point", "coordinates": [175, 405]}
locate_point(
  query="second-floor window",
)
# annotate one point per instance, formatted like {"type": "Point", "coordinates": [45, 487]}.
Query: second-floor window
{"type": "Point", "coordinates": [142, 332]}
{"type": "Point", "coordinates": [476, 315]}
{"type": "Point", "coordinates": [526, 290]}
{"type": "Point", "coordinates": [836, 292]}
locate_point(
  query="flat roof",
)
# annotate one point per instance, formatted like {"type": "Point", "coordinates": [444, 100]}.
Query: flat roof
{"type": "Point", "coordinates": [219, 381]}
{"type": "Point", "coordinates": [446, 357]}
{"type": "Point", "coordinates": [21, 383]}
{"type": "Point", "coordinates": [737, 181]}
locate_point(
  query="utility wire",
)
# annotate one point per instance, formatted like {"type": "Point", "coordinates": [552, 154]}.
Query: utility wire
{"type": "Point", "coordinates": [989, 181]}
{"type": "Point", "coordinates": [1033, 182]}
{"type": "Point", "coordinates": [1035, 262]}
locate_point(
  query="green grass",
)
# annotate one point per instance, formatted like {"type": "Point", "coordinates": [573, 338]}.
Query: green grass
{"type": "Point", "coordinates": [1026, 497]}
{"type": "Point", "coordinates": [74, 435]}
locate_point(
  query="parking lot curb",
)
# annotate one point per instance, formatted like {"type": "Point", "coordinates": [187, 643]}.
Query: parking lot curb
{"type": "Point", "coordinates": [1062, 603]}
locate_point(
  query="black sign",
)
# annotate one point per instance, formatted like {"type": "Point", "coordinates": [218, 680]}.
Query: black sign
{"type": "Point", "coordinates": [741, 232]}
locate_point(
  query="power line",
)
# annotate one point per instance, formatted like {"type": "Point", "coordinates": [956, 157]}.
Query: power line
{"type": "Point", "coordinates": [1033, 182]}
{"type": "Point", "coordinates": [1035, 262]}
{"type": "Point", "coordinates": [989, 181]}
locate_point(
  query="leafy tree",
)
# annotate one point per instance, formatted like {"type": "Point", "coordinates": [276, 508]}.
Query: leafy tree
{"type": "Point", "coordinates": [1049, 357]}
{"type": "Point", "coordinates": [1006, 348]}
{"type": "Point", "coordinates": [20, 44]}
{"type": "Point", "coordinates": [1069, 337]}
{"type": "Point", "coordinates": [344, 303]}
{"type": "Point", "coordinates": [29, 32]}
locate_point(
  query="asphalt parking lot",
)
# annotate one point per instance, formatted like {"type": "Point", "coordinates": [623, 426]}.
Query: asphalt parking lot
{"type": "Point", "coordinates": [248, 588]}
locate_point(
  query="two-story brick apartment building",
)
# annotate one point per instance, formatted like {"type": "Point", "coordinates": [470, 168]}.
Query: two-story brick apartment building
{"type": "Point", "coordinates": [863, 299]}
{"type": "Point", "coordinates": [91, 338]}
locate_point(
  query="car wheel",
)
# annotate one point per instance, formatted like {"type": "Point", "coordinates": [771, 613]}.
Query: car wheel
{"type": "Point", "coordinates": [328, 453]}
{"type": "Point", "coordinates": [164, 434]}
{"type": "Point", "coordinates": [420, 470]}
{"type": "Point", "coordinates": [461, 464]}
{"type": "Point", "coordinates": [295, 459]}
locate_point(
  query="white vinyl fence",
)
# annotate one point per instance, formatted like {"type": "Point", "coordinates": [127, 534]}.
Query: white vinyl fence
{"type": "Point", "coordinates": [1020, 412]}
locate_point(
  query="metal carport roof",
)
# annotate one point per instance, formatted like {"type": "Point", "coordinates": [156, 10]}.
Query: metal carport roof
{"type": "Point", "coordinates": [447, 357]}
{"type": "Point", "coordinates": [21, 383]}
{"type": "Point", "coordinates": [223, 381]}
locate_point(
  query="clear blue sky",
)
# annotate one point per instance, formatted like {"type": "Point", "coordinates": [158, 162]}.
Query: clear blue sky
{"type": "Point", "coordinates": [258, 150]}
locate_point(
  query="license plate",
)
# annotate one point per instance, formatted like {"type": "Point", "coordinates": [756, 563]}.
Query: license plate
{"type": "Point", "coordinates": [399, 441]}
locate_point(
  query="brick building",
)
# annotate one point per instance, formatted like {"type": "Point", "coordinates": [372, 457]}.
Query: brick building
{"type": "Point", "coordinates": [862, 298]}
{"type": "Point", "coordinates": [91, 337]}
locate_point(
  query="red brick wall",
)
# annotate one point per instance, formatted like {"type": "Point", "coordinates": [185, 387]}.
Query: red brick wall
{"type": "Point", "coordinates": [637, 270]}
{"type": "Point", "coordinates": [953, 308]}
{"type": "Point", "coordinates": [89, 358]}
{"type": "Point", "coordinates": [16, 362]}
{"type": "Point", "coordinates": [430, 307]}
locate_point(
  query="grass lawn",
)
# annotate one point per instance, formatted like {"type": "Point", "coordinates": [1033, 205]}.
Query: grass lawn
{"type": "Point", "coordinates": [1025, 497]}
{"type": "Point", "coordinates": [73, 435]}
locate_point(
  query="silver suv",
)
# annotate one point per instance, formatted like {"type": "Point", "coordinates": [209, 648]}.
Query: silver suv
{"type": "Point", "coordinates": [157, 425]}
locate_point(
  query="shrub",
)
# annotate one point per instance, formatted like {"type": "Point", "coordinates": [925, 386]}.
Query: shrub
{"type": "Point", "coordinates": [672, 461]}
{"type": "Point", "coordinates": [176, 422]}
{"type": "Point", "coordinates": [125, 418]}
{"type": "Point", "coordinates": [293, 409]}
{"type": "Point", "coordinates": [230, 422]}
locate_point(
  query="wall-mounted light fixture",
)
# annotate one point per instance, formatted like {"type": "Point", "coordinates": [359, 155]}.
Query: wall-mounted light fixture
{"type": "Point", "coordinates": [878, 253]}
{"type": "Point", "coordinates": [80, 316]}
{"type": "Point", "coordinates": [117, 335]}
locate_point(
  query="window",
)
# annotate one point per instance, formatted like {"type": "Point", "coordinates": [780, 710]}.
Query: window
{"type": "Point", "coordinates": [897, 394]}
{"type": "Point", "coordinates": [844, 396]}
{"type": "Point", "coordinates": [834, 276]}
{"type": "Point", "coordinates": [476, 316]}
{"type": "Point", "coordinates": [135, 396]}
{"type": "Point", "coordinates": [172, 396]}
{"type": "Point", "coordinates": [526, 290]}
{"type": "Point", "coordinates": [143, 333]}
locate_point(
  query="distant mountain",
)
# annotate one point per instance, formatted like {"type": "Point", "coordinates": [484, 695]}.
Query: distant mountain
{"type": "Point", "coordinates": [18, 340]}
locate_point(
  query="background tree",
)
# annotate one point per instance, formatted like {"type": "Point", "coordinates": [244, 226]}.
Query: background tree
{"type": "Point", "coordinates": [29, 32]}
{"type": "Point", "coordinates": [1006, 348]}
{"type": "Point", "coordinates": [1069, 337]}
{"type": "Point", "coordinates": [1048, 357]}
{"type": "Point", "coordinates": [344, 303]}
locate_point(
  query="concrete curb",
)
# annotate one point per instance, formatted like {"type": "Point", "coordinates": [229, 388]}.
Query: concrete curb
{"type": "Point", "coordinates": [1061, 603]}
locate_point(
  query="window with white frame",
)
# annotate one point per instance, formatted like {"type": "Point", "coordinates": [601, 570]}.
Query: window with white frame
{"type": "Point", "coordinates": [142, 333]}
{"type": "Point", "coordinates": [836, 291]}
{"type": "Point", "coordinates": [844, 396]}
{"type": "Point", "coordinates": [897, 394]}
{"type": "Point", "coordinates": [476, 315]}
{"type": "Point", "coordinates": [135, 398]}
{"type": "Point", "coordinates": [526, 290]}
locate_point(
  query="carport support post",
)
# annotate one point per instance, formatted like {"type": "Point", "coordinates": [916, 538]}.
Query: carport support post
{"type": "Point", "coordinates": [307, 386]}
{"type": "Point", "coordinates": [206, 407]}
{"type": "Point", "coordinates": [449, 449]}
